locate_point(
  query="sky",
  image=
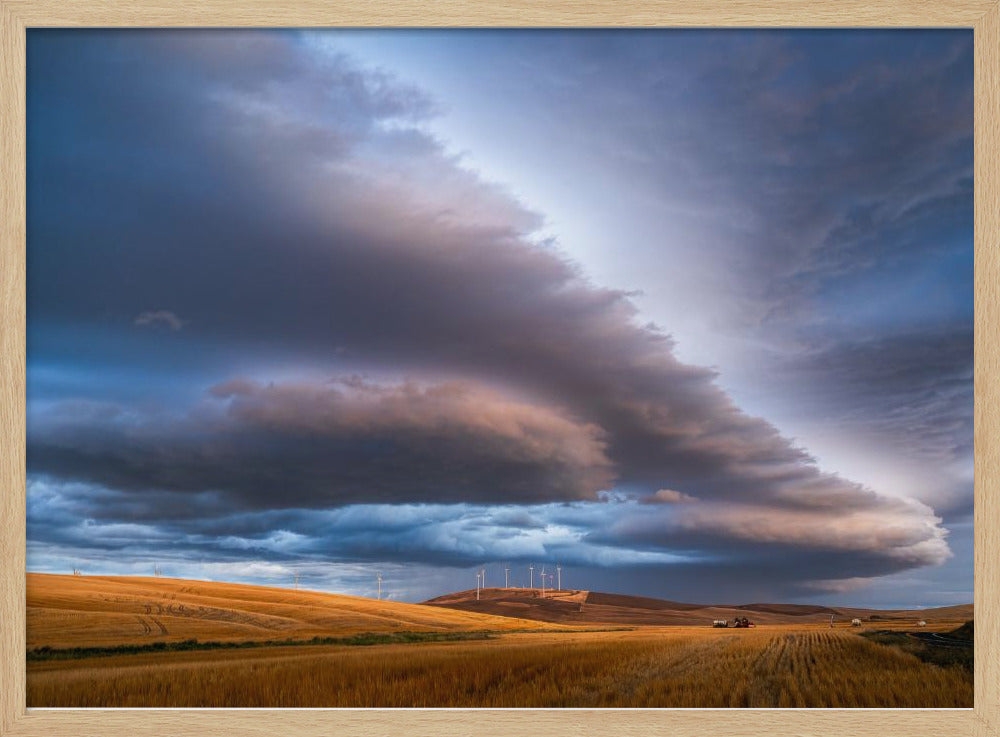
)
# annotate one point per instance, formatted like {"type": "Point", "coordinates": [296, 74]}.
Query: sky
{"type": "Point", "coordinates": [688, 313]}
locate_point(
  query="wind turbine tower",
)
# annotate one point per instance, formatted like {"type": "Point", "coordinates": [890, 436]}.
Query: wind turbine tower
{"type": "Point", "coordinates": [478, 579]}
{"type": "Point", "coordinates": [296, 580]}
{"type": "Point", "coordinates": [379, 577]}
{"type": "Point", "coordinates": [543, 581]}
{"type": "Point", "coordinates": [531, 576]}
{"type": "Point", "coordinates": [506, 577]}
{"type": "Point", "coordinates": [559, 576]}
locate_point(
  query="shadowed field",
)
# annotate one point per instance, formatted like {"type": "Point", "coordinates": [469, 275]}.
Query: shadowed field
{"type": "Point", "coordinates": [593, 607]}
{"type": "Point", "coordinates": [116, 642]}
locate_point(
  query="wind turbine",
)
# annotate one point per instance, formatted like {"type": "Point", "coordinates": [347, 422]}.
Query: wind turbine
{"type": "Point", "coordinates": [559, 575]}
{"type": "Point", "coordinates": [531, 576]}
{"type": "Point", "coordinates": [506, 577]}
{"type": "Point", "coordinates": [483, 571]}
{"type": "Point", "coordinates": [478, 579]}
{"type": "Point", "coordinates": [379, 577]}
{"type": "Point", "coordinates": [543, 581]}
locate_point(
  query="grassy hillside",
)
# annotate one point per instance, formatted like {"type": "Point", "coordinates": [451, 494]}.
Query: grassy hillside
{"type": "Point", "coordinates": [591, 607]}
{"type": "Point", "coordinates": [100, 611]}
{"type": "Point", "coordinates": [966, 632]}
{"type": "Point", "coordinates": [117, 641]}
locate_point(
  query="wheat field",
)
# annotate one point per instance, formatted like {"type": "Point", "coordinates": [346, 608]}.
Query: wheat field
{"type": "Point", "coordinates": [389, 654]}
{"type": "Point", "coordinates": [86, 611]}
{"type": "Point", "coordinates": [676, 667]}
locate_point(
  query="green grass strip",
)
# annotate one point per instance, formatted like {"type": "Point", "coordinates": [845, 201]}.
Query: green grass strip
{"type": "Point", "coordinates": [363, 639]}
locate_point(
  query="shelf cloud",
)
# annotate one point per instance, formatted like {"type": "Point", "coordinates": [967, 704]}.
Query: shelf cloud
{"type": "Point", "coordinates": [382, 352]}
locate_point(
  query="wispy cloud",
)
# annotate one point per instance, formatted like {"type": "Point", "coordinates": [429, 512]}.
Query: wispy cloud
{"type": "Point", "coordinates": [159, 317]}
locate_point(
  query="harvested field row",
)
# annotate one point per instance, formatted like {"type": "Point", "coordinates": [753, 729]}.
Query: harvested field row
{"type": "Point", "coordinates": [682, 667]}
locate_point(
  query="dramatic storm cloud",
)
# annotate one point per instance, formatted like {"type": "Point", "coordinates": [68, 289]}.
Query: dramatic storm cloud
{"type": "Point", "coordinates": [275, 318]}
{"type": "Point", "coordinates": [332, 444]}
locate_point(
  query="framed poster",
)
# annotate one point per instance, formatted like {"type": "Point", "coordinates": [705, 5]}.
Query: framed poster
{"type": "Point", "coordinates": [570, 368]}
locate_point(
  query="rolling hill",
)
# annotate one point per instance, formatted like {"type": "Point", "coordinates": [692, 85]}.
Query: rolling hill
{"type": "Point", "coordinates": [98, 641]}
{"type": "Point", "coordinates": [94, 611]}
{"type": "Point", "coordinates": [89, 611]}
{"type": "Point", "coordinates": [592, 607]}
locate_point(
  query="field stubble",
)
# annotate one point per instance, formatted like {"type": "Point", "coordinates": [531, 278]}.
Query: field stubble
{"type": "Point", "coordinates": [780, 666]}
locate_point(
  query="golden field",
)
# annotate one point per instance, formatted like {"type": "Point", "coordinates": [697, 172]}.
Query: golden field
{"type": "Point", "coordinates": [681, 667]}
{"type": "Point", "coordinates": [84, 611]}
{"type": "Point", "coordinates": [524, 664]}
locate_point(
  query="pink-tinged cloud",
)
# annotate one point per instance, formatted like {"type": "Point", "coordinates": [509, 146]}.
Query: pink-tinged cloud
{"type": "Point", "coordinates": [334, 443]}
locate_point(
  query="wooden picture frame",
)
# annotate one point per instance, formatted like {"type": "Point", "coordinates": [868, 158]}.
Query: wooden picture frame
{"type": "Point", "coordinates": [983, 16]}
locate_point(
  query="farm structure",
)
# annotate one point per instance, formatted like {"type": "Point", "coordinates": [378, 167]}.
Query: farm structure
{"type": "Point", "coordinates": [738, 622]}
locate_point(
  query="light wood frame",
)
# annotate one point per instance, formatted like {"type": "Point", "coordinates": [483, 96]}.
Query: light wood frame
{"type": "Point", "coordinates": [981, 15]}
